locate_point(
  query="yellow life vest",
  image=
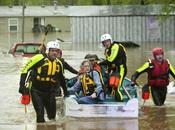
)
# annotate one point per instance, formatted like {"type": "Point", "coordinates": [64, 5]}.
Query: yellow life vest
{"type": "Point", "coordinates": [48, 70]}
{"type": "Point", "coordinates": [88, 85]}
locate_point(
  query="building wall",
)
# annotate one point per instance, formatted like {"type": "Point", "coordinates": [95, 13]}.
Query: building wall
{"type": "Point", "coordinates": [143, 30]}
{"type": "Point", "coordinates": [28, 24]}
{"type": "Point", "coordinates": [139, 24]}
{"type": "Point", "coordinates": [3, 25]}
{"type": "Point", "coordinates": [62, 23]}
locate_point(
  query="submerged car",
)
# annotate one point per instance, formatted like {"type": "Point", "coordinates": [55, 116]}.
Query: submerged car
{"type": "Point", "coordinates": [25, 49]}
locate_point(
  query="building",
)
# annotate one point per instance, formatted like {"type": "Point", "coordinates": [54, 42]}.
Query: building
{"type": "Point", "coordinates": [139, 24]}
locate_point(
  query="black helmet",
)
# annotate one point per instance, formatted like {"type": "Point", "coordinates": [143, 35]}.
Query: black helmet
{"type": "Point", "coordinates": [91, 57]}
{"type": "Point", "coordinates": [87, 56]}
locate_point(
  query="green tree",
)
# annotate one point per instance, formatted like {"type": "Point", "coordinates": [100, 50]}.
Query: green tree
{"type": "Point", "coordinates": [6, 2]}
{"type": "Point", "coordinates": [166, 3]}
{"type": "Point", "coordinates": [16, 2]}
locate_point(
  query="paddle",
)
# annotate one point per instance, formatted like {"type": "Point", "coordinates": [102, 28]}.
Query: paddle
{"type": "Point", "coordinates": [126, 91]}
{"type": "Point", "coordinates": [44, 37]}
{"type": "Point", "coordinates": [132, 103]}
{"type": "Point", "coordinates": [171, 88]}
{"type": "Point", "coordinates": [61, 40]}
{"type": "Point", "coordinates": [25, 98]}
{"type": "Point", "coordinates": [127, 44]}
{"type": "Point", "coordinates": [142, 92]}
{"type": "Point", "coordinates": [42, 48]}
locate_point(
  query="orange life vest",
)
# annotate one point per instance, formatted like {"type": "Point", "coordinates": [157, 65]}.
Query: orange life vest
{"type": "Point", "coordinates": [158, 75]}
{"type": "Point", "coordinates": [98, 68]}
{"type": "Point", "coordinates": [114, 80]}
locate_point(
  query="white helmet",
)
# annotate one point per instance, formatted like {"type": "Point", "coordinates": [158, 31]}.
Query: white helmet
{"type": "Point", "coordinates": [52, 44]}
{"type": "Point", "coordinates": [106, 37]}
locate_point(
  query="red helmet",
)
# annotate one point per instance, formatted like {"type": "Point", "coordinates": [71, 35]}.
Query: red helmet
{"type": "Point", "coordinates": [157, 51]}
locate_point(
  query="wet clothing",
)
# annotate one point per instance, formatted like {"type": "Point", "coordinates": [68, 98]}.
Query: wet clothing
{"type": "Point", "coordinates": [46, 77]}
{"type": "Point", "coordinates": [43, 100]}
{"type": "Point", "coordinates": [116, 62]}
{"type": "Point", "coordinates": [86, 86]}
{"type": "Point", "coordinates": [158, 78]}
{"type": "Point", "coordinates": [159, 95]}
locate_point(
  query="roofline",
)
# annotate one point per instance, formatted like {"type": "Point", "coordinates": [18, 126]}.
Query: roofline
{"type": "Point", "coordinates": [76, 11]}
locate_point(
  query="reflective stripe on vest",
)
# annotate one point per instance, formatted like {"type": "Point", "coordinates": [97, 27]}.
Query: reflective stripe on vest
{"type": "Point", "coordinates": [48, 70]}
{"type": "Point", "coordinates": [35, 59]}
{"type": "Point", "coordinates": [62, 69]}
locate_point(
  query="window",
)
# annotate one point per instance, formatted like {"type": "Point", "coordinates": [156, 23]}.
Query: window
{"type": "Point", "coordinates": [27, 49]}
{"type": "Point", "coordinates": [13, 24]}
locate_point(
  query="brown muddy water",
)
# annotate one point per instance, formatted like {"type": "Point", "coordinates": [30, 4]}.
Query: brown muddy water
{"type": "Point", "coordinates": [12, 115]}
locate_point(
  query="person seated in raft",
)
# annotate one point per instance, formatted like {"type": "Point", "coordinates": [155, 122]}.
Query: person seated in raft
{"type": "Point", "coordinates": [88, 87]}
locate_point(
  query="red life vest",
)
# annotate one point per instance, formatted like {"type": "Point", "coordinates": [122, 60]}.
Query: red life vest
{"type": "Point", "coordinates": [158, 75]}
{"type": "Point", "coordinates": [97, 68]}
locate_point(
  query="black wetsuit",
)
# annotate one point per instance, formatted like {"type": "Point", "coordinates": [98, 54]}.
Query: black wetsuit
{"type": "Point", "coordinates": [46, 77]}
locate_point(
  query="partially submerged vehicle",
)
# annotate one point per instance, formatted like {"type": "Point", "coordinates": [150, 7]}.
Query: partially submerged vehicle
{"type": "Point", "coordinates": [110, 108]}
{"type": "Point", "coordinates": [25, 49]}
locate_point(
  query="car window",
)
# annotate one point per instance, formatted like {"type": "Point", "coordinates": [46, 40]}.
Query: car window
{"type": "Point", "coordinates": [27, 49]}
{"type": "Point", "coordinates": [32, 48]}
{"type": "Point", "coordinates": [20, 49]}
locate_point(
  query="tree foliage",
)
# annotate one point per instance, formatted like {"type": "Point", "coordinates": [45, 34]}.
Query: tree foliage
{"type": "Point", "coordinates": [167, 8]}
{"type": "Point", "coordinates": [87, 2]}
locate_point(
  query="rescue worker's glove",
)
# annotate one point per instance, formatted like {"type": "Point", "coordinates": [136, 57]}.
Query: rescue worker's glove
{"type": "Point", "coordinates": [145, 92]}
{"type": "Point", "coordinates": [133, 78]}
{"type": "Point", "coordinates": [25, 99]}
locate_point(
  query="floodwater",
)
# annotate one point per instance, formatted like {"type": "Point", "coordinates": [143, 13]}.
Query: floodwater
{"type": "Point", "coordinates": [12, 114]}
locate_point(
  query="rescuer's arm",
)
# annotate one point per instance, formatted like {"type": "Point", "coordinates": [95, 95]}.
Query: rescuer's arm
{"type": "Point", "coordinates": [139, 71]}
{"type": "Point", "coordinates": [26, 69]}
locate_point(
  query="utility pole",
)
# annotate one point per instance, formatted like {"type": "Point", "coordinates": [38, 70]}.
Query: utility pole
{"type": "Point", "coordinates": [55, 6]}
{"type": "Point", "coordinates": [23, 20]}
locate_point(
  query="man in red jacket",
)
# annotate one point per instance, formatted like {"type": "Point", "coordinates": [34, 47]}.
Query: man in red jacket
{"type": "Point", "coordinates": [158, 70]}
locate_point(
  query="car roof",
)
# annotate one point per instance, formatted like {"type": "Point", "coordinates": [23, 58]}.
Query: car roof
{"type": "Point", "coordinates": [28, 43]}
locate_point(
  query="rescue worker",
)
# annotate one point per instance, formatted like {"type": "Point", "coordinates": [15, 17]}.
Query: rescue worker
{"type": "Point", "coordinates": [116, 61]}
{"type": "Point", "coordinates": [158, 70]}
{"type": "Point", "coordinates": [88, 87]}
{"type": "Point", "coordinates": [65, 64]}
{"type": "Point", "coordinates": [46, 73]}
